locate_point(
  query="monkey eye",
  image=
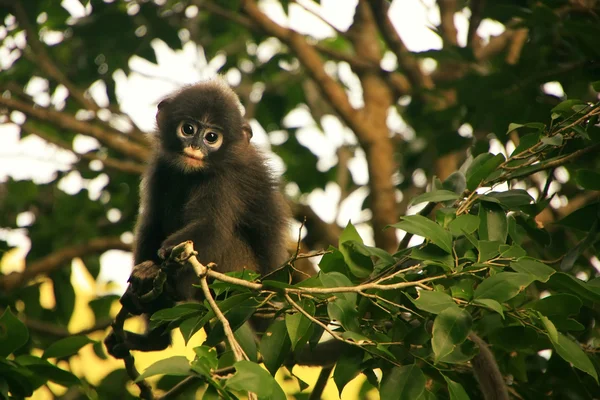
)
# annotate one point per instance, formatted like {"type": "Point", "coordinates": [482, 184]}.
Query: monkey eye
{"type": "Point", "coordinates": [187, 128]}
{"type": "Point", "coordinates": [213, 139]}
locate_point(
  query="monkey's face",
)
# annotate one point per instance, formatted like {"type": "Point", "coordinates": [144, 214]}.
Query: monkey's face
{"type": "Point", "coordinates": [198, 140]}
{"type": "Point", "coordinates": [201, 127]}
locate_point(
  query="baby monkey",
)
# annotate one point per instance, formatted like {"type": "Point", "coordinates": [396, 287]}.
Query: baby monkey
{"type": "Point", "coordinates": [208, 184]}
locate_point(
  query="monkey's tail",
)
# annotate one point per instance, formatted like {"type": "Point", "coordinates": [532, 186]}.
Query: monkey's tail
{"type": "Point", "coordinates": [487, 372]}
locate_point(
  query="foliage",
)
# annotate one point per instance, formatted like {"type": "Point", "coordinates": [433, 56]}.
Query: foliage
{"type": "Point", "coordinates": [509, 215]}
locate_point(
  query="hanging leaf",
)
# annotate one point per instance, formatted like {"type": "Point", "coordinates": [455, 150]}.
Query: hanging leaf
{"type": "Point", "coordinates": [450, 328]}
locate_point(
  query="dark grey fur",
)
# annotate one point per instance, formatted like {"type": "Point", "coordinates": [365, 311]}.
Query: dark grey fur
{"type": "Point", "coordinates": [231, 208]}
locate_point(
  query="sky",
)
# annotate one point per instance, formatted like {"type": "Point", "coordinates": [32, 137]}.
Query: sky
{"type": "Point", "coordinates": [142, 89]}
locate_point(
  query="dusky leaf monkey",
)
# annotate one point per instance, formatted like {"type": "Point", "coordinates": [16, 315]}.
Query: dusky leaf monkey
{"type": "Point", "coordinates": [208, 184]}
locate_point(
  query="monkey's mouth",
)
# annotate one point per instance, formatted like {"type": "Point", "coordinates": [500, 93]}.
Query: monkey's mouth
{"type": "Point", "coordinates": [193, 157]}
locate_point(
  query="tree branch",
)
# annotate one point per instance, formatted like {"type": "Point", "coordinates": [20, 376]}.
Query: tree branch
{"type": "Point", "coordinates": [111, 163]}
{"type": "Point", "coordinates": [407, 63]}
{"type": "Point", "coordinates": [113, 139]}
{"type": "Point", "coordinates": [447, 10]}
{"type": "Point", "coordinates": [42, 58]}
{"type": "Point", "coordinates": [58, 259]}
{"type": "Point", "coordinates": [477, 7]}
{"type": "Point", "coordinates": [309, 57]}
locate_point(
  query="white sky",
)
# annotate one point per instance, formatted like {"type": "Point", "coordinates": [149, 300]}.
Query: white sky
{"type": "Point", "coordinates": [139, 92]}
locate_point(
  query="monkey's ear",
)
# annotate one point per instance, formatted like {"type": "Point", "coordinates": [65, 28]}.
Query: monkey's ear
{"type": "Point", "coordinates": [247, 131]}
{"type": "Point", "coordinates": [160, 111]}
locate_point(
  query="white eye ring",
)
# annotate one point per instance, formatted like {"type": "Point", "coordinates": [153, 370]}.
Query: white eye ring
{"type": "Point", "coordinates": [184, 130]}
{"type": "Point", "coordinates": [215, 141]}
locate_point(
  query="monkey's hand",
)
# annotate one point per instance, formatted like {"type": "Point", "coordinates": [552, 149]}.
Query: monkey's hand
{"type": "Point", "coordinates": [165, 252]}
{"type": "Point", "coordinates": [147, 291]}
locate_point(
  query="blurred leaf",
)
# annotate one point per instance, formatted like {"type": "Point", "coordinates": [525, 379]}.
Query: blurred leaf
{"type": "Point", "coordinates": [66, 347]}
{"type": "Point", "coordinates": [403, 383]}
{"type": "Point", "coordinates": [48, 371]}
{"type": "Point", "coordinates": [588, 179]}
{"type": "Point", "coordinates": [13, 333]}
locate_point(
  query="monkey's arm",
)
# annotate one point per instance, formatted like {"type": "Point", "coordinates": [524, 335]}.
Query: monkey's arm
{"type": "Point", "coordinates": [148, 231]}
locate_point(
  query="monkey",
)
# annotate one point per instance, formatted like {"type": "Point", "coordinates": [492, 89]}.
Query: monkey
{"type": "Point", "coordinates": [206, 183]}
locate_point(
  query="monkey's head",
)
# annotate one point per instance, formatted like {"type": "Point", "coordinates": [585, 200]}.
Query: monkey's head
{"type": "Point", "coordinates": [201, 126]}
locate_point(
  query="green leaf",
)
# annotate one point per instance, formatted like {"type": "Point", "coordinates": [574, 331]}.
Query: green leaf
{"type": "Point", "coordinates": [572, 353]}
{"type": "Point", "coordinates": [422, 226]}
{"type": "Point", "coordinates": [462, 224]}
{"type": "Point", "coordinates": [275, 346]}
{"type": "Point", "coordinates": [190, 327]}
{"type": "Point", "coordinates": [512, 126]}
{"type": "Point", "coordinates": [562, 304]}
{"type": "Point", "coordinates": [13, 333]}
{"type": "Point", "coordinates": [349, 233]}
{"type": "Point", "coordinates": [510, 198]}
{"type": "Point", "coordinates": [455, 389]}
{"type": "Point", "coordinates": [403, 383]}
{"type": "Point", "coordinates": [347, 367]}
{"type": "Point", "coordinates": [250, 377]}
{"type": "Point", "coordinates": [43, 368]}
{"type": "Point", "coordinates": [491, 304]}
{"type": "Point", "coordinates": [297, 324]}
{"type": "Point", "coordinates": [176, 365]}
{"type": "Point", "coordinates": [357, 258]}
{"type": "Point", "coordinates": [481, 167]}
{"type": "Point", "coordinates": [503, 286]}
{"type": "Point", "coordinates": [206, 361]}
{"type": "Point", "coordinates": [588, 179]}
{"type": "Point", "coordinates": [556, 140]}
{"type": "Point", "coordinates": [565, 108]}
{"type": "Point", "coordinates": [432, 301]}
{"type": "Point", "coordinates": [550, 329]}
{"type": "Point", "coordinates": [246, 338]}
{"type": "Point", "coordinates": [528, 265]}
{"type": "Point", "coordinates": [434, 197]}
{"type": "Point", "coordinates": [565, 282]}
{"type": "Point", "coordinates": [67, 346]}
{"type": "Point", "coordinates": [511, 251]}
{"type": "Point", "coordinates": [177, 312]}
{"type": "Point", "coordinates": [596, 86]}
{"type": "Point", "coordinates": [450, 328]}
{"type": "Point", "coordinates": [487, 250]}
{"type": "Point", "coordinates": [493, 225]}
